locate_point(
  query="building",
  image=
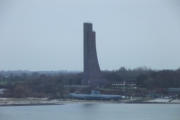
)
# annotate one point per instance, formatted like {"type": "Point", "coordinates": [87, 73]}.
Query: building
{"type": "Point", "coordinates": [92, 74]}
{"type": "Point", "coordinates": [174, 91]}
{"type": "Point", "coordinates": [2, 90]}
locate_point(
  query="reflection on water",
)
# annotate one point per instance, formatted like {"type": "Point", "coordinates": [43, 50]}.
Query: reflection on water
{"type": "Point", "coordinates": [93, 112]}
{"type": "Point", "coordinates": [89, 105]}
{"type": "Point", "coordinates": [89, 111]}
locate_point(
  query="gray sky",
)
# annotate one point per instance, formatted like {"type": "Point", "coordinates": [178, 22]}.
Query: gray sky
{"type": "Point", "coordinates": [47, 34]}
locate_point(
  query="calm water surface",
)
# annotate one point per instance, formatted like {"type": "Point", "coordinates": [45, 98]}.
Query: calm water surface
{"type": "Point", "coordinates": [93, 112]}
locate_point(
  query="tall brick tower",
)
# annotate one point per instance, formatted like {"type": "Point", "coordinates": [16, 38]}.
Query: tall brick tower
{"type": "Point", "coordinates": [92, 73]}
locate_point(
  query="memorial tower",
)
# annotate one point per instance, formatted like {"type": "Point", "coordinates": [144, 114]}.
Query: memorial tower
{"type": "Point", "coordinates": [92, 74]}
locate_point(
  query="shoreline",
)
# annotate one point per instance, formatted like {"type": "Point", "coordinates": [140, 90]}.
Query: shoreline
{"type": "Point", "coordinates": [46, 101]}
{"type": "Point", "coordinates": [14, 105]}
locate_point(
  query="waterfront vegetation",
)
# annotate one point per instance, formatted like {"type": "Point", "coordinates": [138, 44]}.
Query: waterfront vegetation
{"type": "Point", "coordinates": [35, 84]}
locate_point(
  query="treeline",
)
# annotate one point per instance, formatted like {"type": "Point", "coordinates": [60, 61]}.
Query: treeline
{"type": "Point", "coordinates": [38, 85]}
{"type": "Point", "coordinates": [146, 78]}
{"type": "Point", "coordinates": [159, 79]}
{"type": "Point", "coordinates": [54, 85]}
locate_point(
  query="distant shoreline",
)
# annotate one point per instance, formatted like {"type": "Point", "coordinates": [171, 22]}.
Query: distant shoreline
{"type": "Point", "coordinates": [9, 105]}
{"type": "Point", "coordinates": [46, 101]}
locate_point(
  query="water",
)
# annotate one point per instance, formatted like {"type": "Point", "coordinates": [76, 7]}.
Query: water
{"type": "Point", "coordinates": [93, 112]}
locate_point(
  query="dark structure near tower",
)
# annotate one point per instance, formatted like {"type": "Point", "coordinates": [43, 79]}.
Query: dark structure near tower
{"type": "Point", "coordinates": [92, 74]}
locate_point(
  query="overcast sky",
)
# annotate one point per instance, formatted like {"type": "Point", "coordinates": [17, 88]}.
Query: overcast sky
{"type": "Point", "coordinates": [47, 34]}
